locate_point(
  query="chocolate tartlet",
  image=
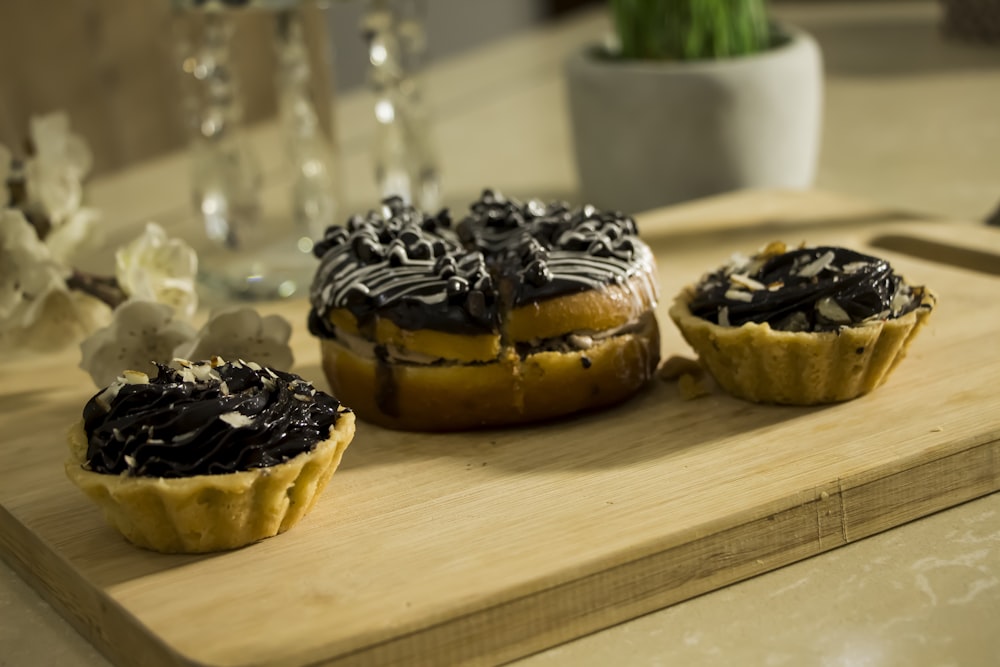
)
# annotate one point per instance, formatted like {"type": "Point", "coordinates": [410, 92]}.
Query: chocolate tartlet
{"type": "Point", "coordinates": [520, 312]}
{"type": "Point", "coordinates": [207, 456]}
{"type": "Point", "coordinates": [803, 326]}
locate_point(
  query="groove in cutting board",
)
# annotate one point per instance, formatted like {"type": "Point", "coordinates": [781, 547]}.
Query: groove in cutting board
{"type": "Point", "coordinates": [941, 252]}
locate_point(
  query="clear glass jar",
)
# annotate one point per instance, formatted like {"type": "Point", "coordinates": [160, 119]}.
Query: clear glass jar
{"type": "Point", "coordinates": [247, 252]}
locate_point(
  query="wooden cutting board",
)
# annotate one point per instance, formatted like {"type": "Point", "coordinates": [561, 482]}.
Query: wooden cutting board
{"type": "Point", "coordinates": [483, 547]}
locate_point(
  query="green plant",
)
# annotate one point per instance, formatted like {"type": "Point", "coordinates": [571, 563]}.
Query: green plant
{"type": "Point", "coordinates": [690, 29]}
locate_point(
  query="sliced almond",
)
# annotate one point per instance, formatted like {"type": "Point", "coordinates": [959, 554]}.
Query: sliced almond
{"type": "Point", "coordinates": [739, 295]}
{"type": "Point", "coordinates": [814, 267]}
{"type": "Point", "coordinates": [135, 377]}
{"type": "Point", "coordinates": [746, 281]}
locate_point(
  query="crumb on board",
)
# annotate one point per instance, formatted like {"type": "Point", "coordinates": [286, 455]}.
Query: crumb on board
{"type": "Point", "coordinates": [675, 366]}
{"type": "Point", "coordinates": [691, 387]}
{"type": "Point", "coordinates": [688, 374]}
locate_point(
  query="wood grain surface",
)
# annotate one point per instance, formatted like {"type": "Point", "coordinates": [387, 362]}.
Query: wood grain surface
{"type": "Point", "coordinates": [482, 547]}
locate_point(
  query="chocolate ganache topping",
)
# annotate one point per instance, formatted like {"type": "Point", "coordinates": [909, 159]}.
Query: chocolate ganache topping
{"type": "Point", "coordinates": [548, 250]}
{"type": "Point", "coordinates": [205, 418]}
{"type": "Point", "coordinates": [405, 264]}
{"type": "Point", "coordinates": [806, 289]}
{"type": "Point", "coordinates": [421, 271]}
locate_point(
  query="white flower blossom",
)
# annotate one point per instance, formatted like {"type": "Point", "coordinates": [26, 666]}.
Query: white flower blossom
{"type": "Point", "coordinates": [140, 333]}
{"type": "Point", "coordinates": [70, 237]}
{"type": "Point", "coordinates": [37, 310]}
{"type": "Point", "coordinates": [28, 274]}
{"type": "Point", "coordinates": [156, 268]}
{"type": "Point", "coordinates": [241, 333]}
{"type": "Point", "coordinates": [56, 170]}
{"type": "Point", "coordinates": [64, 317]}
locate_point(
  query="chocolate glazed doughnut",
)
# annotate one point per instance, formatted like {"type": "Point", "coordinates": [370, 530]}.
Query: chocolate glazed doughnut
{"type": "Point", "coordinates": [517, 313]}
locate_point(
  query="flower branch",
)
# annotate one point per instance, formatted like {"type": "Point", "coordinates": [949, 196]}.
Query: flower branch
{"type": "Point", "coordinates": [126, 321]}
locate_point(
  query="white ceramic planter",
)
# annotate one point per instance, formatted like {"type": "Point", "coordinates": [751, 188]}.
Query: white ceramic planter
{"type": "Point", "coordinates": [648, 134]}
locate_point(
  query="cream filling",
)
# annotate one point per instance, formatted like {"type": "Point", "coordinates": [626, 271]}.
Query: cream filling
{"type": "Point", "coordinates": [575, 341]}
{"type": "Point", "coordinates": [364, 348]}
{"type": "Point", "coordinates": [584, 339]}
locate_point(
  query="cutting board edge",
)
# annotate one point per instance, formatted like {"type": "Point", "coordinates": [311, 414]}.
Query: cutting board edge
{"type": "Point", "coordinates": [86, 608]}
{"type": "Point", "coordinates": [835, 516]}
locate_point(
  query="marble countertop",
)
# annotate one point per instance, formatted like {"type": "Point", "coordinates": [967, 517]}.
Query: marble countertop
{"type": "Point", "coordinates": [910, 121]}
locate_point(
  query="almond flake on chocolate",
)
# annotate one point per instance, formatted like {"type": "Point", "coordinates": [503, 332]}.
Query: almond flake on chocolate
{"type": "Point", "coordinates": [814, 267]}
{"type": "Point", "coordinates": [236, 419]}
{"type": "Point", "coordinates": [832, 311]}
{"type": "Point", "coordinates": [746, 281]}
{"type": "Point", "coordinates": [739, 295]}
{"type": "Point", "coordinates": [901, 299]}
{"type": "Point", "coordinates": [135, 377]}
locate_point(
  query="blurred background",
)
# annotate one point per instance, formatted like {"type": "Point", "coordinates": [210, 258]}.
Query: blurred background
{"type": "Point", "coordinates": [112, 63]}
{"type": "Point", "coordinates": [903, 92]}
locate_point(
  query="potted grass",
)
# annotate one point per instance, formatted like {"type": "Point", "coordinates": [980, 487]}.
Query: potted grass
{"type": "Point", "coordinates": [693, 98]}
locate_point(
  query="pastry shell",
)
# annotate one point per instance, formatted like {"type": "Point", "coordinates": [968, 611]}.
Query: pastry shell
{"type": "Point", "coordinates": [204, 513]}
{"type": "Point", "coordinates": [764, 365]}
